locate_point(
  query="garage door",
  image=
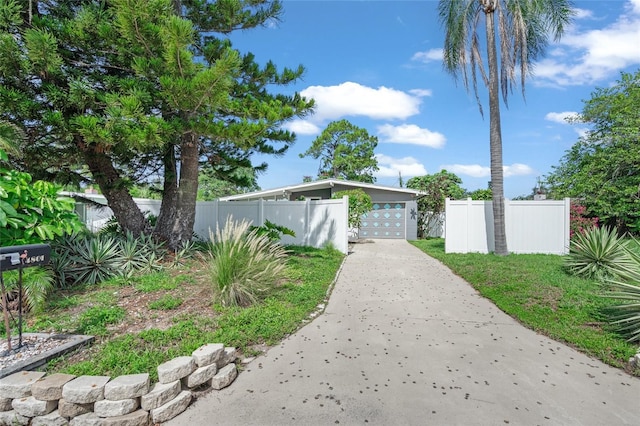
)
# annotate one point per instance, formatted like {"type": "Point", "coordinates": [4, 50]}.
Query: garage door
{"type": "Point", "coordinates": [386, 220]}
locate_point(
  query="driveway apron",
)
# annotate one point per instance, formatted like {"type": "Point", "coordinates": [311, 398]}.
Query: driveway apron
{"type": "Point", "coordinates": [404, 341]}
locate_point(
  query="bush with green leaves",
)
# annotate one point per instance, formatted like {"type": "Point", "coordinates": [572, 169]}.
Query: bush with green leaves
{"type": "Point", "coordinates": [359, 204]}
{"type": "Point", "coordinates": [599, 253]}
{"type": "Point", "coordinates": [243, 265]}
{"type": "Point", "coordinates": [31, 211]}
{"type": "Point", "coordinates": [272, 231]}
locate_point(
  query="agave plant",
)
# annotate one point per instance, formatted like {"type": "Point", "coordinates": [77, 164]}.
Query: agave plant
{"type": "Point", "coordinates": [137, 254]}
{"type": "Point", "coordinates": [242, 264]}
{"type": "Point", "coordinates": [95, 259]}
{"type": "Point", "coordinates": [599, 253]}
{"type": "Point", "coordinates": [625, 315]}
{"type": "Point", "coordinates": [631, 272]}
{"type": "Point", "coordinates": [61, 262]}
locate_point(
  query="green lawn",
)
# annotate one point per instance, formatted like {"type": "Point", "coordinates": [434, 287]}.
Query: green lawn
{"type": "Point", "coordinates": [536, 290]}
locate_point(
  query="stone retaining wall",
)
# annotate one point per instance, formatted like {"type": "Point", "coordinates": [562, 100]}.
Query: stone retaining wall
{"type": "Point", "coordinates": [31, 398]}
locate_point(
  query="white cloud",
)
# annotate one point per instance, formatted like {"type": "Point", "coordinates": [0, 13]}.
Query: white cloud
{"type": "Point", "coordinates": [430, 55]}
{"type": "Point", "coordinates": [517, 169]}
{"type": "Point", "coordinates": [583, 13]}
{"type": "Point", "coordinates": [353, 99]}
{"type": "Point", "coordinates": [302, 127]}
{"type": "Point", "coordinates": [478, 171]}
{"type": "Point", "coordinates": [561, 117]}
{"type": "Point", "coordinates": [582, 131]}
{"type": "Point", "coordinates": [585, 57]}
{"type": "Point", "coordinates": [473, 170]}
{"type": "Point", "coordinates": [411, 134]}
{"type": "Point", "coordinates": [406, 166]}
{"type": "Point", "coordinates": [421, 93]}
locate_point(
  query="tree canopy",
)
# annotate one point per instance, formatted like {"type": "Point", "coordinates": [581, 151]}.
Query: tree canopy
{"type": "Point", "coordinates": [602, 169]}
{"type": "Point", "coordinates": [437, 187]}
{"type": "Point", "coordinates": [116, 93]}
{"type": "Point", "coordinates": [345, 151]}
{"type": "Point", "coordinates": [518, 32]}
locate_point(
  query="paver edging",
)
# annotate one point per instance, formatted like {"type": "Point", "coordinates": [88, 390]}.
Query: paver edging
{"type": "Point", "coordinates": [77, 385]}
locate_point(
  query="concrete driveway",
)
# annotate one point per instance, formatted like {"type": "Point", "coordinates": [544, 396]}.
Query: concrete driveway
{"type": "Point", "coordinates": [403, 341]}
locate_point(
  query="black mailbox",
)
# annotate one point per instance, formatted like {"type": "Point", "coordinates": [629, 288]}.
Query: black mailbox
{"type": "Point", "coordinates": [15, 257]}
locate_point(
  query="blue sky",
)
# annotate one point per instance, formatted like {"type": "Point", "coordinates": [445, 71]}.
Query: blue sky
{"type": "Point", "coordinates": [378, 64]}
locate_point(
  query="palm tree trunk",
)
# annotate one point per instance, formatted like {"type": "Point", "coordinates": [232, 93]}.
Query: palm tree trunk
{"type": "Point", "coordinates": [495, 135]}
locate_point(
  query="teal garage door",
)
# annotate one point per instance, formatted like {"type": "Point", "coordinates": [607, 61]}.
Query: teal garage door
{"type": "Point", "coordinates": [386, 220]}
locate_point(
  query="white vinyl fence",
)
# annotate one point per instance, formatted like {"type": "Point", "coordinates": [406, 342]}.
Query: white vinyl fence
{"type": "Point", "coordinates": [531, 226]}
{"type": "Point", "coordinates": [316, 223]}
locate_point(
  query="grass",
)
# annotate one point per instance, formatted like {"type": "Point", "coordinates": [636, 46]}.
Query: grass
{"type": "Point", "coordinates": [157, 281]}
{"type": "Point", "coordinates": [308, 276]}
{"type": "Point", "coordinates": [536, 290]}
{"type": "Point", "coordinates": [166, 303]}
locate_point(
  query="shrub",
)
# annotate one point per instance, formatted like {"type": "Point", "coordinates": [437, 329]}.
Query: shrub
{"type": "Point", "coordinates": [243, 264]}
{"type": "Point", "coordinates": [598, 253]}
{"type": "Point", "coordinates": [579, 222]}
{"type": "Point", "coordinates": [31, 211]}
{"type": "Point", "coordinates": [272, 231]}
{"type": "Point", "coordinates": [359, 204]}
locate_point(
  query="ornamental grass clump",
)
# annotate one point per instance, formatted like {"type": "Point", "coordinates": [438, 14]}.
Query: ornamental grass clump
{"type": "Point", "coordinates": [243, 265]}
{"type": "Point", "coordinates": [599, 253]}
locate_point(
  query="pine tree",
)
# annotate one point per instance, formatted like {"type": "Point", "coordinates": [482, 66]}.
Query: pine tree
{"type": "Point", "coordinates": [130, 89]}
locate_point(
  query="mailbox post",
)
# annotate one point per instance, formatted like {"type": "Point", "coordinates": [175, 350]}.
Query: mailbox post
{"type": "Point", "coordinates": [20, 257]}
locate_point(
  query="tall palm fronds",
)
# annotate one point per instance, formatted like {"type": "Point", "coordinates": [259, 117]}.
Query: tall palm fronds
{"type": "Point", "coordinates": [517, 31]}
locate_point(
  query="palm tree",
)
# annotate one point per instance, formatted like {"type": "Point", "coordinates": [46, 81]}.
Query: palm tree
{"type": "Point", "coordinates": [523, 30]}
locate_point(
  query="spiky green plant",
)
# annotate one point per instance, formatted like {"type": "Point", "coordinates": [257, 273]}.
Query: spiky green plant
{"type": "Point", "coordinates": [36, 284]}
{"type": "Point", "coordinates": [243, 265]}
{"type": "Point", "coordinates": [624, 316]}
{"type": "Point", "coordinates": [95, 259]}
{"type": "Point", "coordinates": [631, 272]}
{"type": "Point", "coordinates": [138, 254]}
{"type": "Point", "coordinates": [61, 261]}
{"type": "Point", "coordinates": [599, 253]}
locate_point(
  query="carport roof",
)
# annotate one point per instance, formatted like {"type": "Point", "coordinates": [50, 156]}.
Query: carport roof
{"type": "Point", "coordinates": [317, 184]}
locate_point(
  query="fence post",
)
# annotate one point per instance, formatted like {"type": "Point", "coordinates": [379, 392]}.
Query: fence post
{"type": "Point", "coordinates": [307, 221]}
{"type": "Point", "coordinates": [447, 207]}
{"type": "Point", "coordinates": [468, 233]}
{"type": "Point", "coordinates": [260, 212]}
{"type": "Point", "coordinates": [567, 225]}
{"type": "Point", "coordinates": [345, 205]}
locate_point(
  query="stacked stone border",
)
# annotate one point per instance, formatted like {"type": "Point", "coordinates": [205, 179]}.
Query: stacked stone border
{"type": "Point", "coordinates": [32, 398]}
